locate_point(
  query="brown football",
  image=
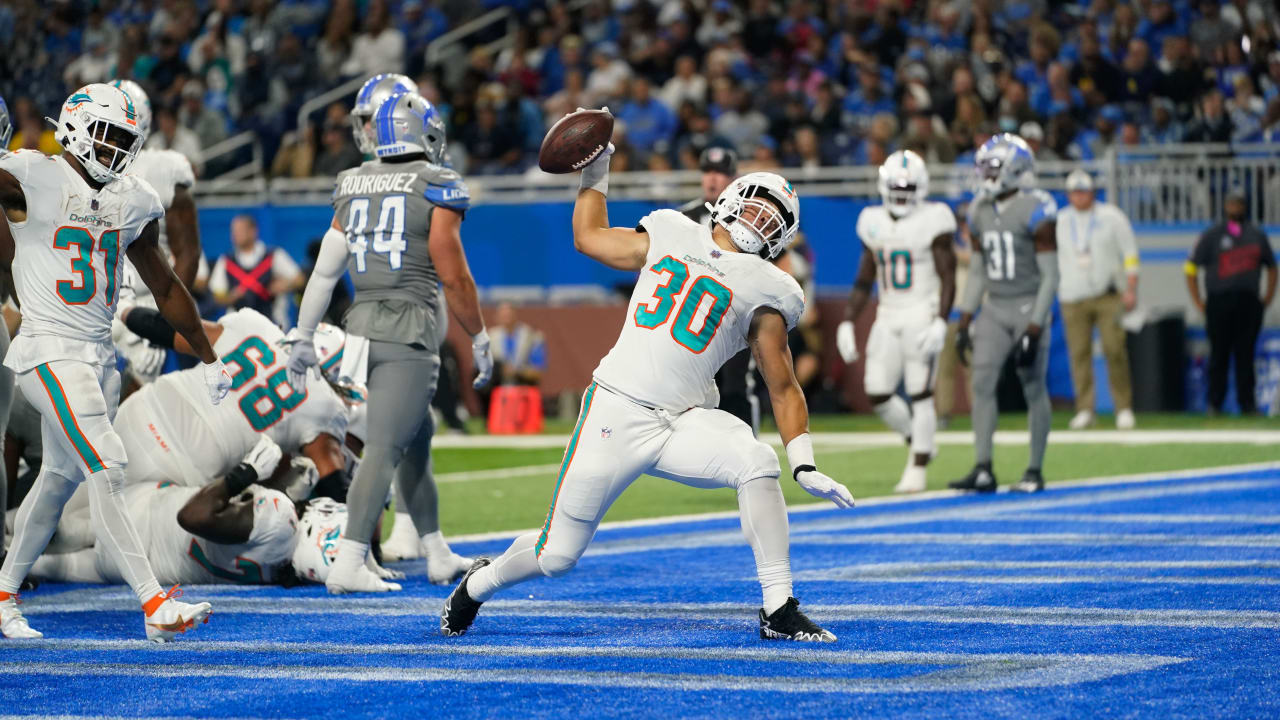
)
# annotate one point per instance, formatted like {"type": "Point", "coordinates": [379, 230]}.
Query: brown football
{"type": "Point", "coordinates": [573, 142]}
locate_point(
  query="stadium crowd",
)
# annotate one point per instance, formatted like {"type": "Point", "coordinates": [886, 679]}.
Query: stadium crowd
{"type": "Point", "coordinates": [799, 83]}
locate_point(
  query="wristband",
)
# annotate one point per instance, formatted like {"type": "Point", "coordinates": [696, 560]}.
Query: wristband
{"type": "Point", "coordinates": [596, 175]}
{"type": "Point", "coordinates": [800, 454]}
{"type": "Point", "coordinates": [481, 338]}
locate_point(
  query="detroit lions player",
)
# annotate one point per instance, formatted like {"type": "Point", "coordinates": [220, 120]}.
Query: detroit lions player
{"type": "Point", "coordinates": [70, 219]}
{"type": "Point", "coordinates": [396, 230]}
{"type": "Point", "coordinates": [170, 174]}
{"type": "Point", "coordinates": [703, 295]}
{"type": "Point", "coordinates": [1013, 230]}
{"type": "Point", "coordinates": [372, 93]}
{"type": "Point", "coordinates": [908, 251]}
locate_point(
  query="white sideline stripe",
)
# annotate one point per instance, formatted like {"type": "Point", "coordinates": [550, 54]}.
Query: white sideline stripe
{"type": "Point", "coordinates": [1042, 539]}
{"type": "Point", "coordinates": [1136, 518]}
{"type": "Point", "coordinates": [953, 437]}
{"type": "Point", "coordinates": [908, 572]}
{"type": "Point", "coordinates": [1149, 477]}
{"type": "Point", "coordinates": [497, 473]}
{"type": "Point", "coordinates": [970, 673]}
{"type": "Point", "coordinates": [895, 568]}
{"type": "Point", "coordinates": [1043, 579]}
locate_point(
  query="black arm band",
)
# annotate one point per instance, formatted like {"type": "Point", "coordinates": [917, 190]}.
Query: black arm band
{"type": "Point", "coordinates": [795, 472]}
{"type": "Point", "coordinates": [333, 485]}
{"type": "Point", "coordinates": [240, 477]}
{"type": "Point", "coordinates": [150, 325]}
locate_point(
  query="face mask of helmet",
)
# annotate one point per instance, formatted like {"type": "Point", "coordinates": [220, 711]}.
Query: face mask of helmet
{"type": "Point", "coordinates": [991, 171]}
{"type": "Point", "coordinates": [900, 198]}
{"type": "Point", "coordinates": [112, 150]}
{"type": "Point", "coordinates": [759, 219]}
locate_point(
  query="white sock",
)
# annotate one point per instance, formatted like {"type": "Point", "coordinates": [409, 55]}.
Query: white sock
{"type": "Point", "coordinates": [764, 523]}
{"type": "Point", "coordinates": [896, 415]}
{"type": "Point", "coordinates": [351, 555]}
{"type": "Point", "coordinates": [434, 546]}
{"type": "Point", "coordinates": [517, 564]}
{"type": "Point", "coordinates": [403, 530]}
{"type": "Point", "coordinates": [924, 425]}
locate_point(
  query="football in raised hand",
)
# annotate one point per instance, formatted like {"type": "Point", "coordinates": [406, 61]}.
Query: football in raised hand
{"type": "Point", "coordinates": [573, 142]}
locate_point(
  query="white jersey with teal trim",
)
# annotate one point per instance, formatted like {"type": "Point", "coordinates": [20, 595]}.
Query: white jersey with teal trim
{"type": "Point", "coordinates": [177, 556]}
{"type": "Point", "coordinates": [903, 251]}
{"type": "Point", "coordinates": [690, 312]}
{"type": "Point", "coordinates": [215, 438]}
{"type": "Point", "coordinates": [68, 257]}
{"type": "Point", "coordinates": [164, 171]}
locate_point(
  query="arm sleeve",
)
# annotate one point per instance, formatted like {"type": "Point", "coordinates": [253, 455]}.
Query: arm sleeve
{"type": "Point", "coordinates": [330, 265]}
{"type": "Point", "coordinates": [977, 284]}
{"type": "Point", "coordinates": [1048, 264]}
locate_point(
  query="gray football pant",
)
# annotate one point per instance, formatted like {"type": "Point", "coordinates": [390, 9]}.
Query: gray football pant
{"type": "Point", "coordinates": [998, 327]}
{"type": "Point", "coordinates": [402, 380]}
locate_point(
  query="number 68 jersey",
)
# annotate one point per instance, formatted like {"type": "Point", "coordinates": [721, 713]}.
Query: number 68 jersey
{"type": "Point", "coordinates": [68, 257]}
{"type": "Point", "coordinates": [903, 249]}
{"type": "Point", "coordinates": [690, 311]}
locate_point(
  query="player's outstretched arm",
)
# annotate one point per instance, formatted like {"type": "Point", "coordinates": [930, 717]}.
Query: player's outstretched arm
{"type": "Point", "coordinates": [183, 228]}
{"type": "Point", "coordinates": [619, 248]}
{"type": "Point", "coordinates": [151, 326]}
{"type": "Point", "coordinates": [944, 261]}
{"type": "Point", "coordinates": [331, 263]}
{"type": "Point", "coordinates": [768, 341]}
{"type": "Point", "coordinates": [210, 514]}
{"type": "Point", "coordinates": [445, 246]}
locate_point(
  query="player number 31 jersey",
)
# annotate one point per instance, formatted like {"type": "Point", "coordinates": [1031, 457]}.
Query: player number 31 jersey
{"type": "Point", "coordinates": [690, 312]}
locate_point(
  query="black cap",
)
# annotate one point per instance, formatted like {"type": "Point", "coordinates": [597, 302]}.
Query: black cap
{"type": "Point", "coordinates": [719, 159]}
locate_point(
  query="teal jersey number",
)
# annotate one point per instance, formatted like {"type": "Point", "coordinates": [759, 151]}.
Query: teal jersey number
{"type": "Point", "coordinates": [79, 292]}
{"type": "Point", "coordinates": [250, 357]}
{"type": "Point", "coordinates": [250, 572]}
{"type": "Point", "coordinates": [682, 329]}
{"type": "Point", "coordinates": [896, 272]}
{"type": "Point", "coordinates": [665, 294]}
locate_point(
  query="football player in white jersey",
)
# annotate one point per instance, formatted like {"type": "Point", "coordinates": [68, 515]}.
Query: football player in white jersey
{"type": "Point", "coordinates": [71, 218]}
{"type": "Point", "coordinates": [233, 530]}
{"type": "Point", "coordinates": [907, 249]}
{"type": "Point", "coordinates": [6, 375]}
{"type": "Point", "coordinates": [170, 174]}
{"type": "Point", "coordinates": [703, 295]}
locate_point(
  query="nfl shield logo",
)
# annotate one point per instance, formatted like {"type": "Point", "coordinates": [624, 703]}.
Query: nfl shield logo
{"type": "Point", "coordinates": [715, 254]}
{"type": "Point", "coordinates": [606, 432]}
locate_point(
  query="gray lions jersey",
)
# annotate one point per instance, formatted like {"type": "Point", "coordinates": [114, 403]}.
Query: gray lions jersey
{"type": "Point", "coordinates": [385, 210]}
{"type": "Point", "coordinates": [1004, 232]}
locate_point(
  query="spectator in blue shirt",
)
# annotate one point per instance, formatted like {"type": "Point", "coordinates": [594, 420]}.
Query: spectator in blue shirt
{"type": "Point", "coordinates": [869, 99]}
{"type": "Point", "coordinates": [1161, 21]}
{"type": "Point", "coordinates": [648, 122]}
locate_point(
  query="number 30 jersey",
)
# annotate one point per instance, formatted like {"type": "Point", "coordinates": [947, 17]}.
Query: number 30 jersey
{"type": "Point", "coordinates": [69, 256]}
{"type": "Point", "coordinates": [215, 438]}
{"type": "Point", "coordinates": [903, 249]}
{"type": "Point", "coordinates": [385, 210]}
{"type": "Point", "coordinates": [690, 312]}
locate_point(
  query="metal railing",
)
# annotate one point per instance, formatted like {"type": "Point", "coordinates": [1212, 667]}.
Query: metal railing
{"type": "Point", "coordinates": [325, 98]}
{"type": "Point", "coordinates": [254, 168]}
{"type": "Point", "coordinates": [1153, 184]}
{"type": "Point", "coordinates": [449, 44]}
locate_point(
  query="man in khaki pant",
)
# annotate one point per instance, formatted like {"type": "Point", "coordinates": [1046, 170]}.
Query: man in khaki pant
{"type": "Point", "coordinates": [1098, 262]}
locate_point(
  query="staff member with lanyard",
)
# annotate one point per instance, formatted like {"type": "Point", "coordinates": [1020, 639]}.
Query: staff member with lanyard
{"type": "Point", "coordinates": [1232, 254]}
{"type": "Point", "coordinates": [1097, 256]}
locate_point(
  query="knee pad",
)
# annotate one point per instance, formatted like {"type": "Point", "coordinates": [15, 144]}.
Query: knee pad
{"type": "Point", "coordinates": [555, 564]}
{"type": "Point", "coordinates": [762, 462]}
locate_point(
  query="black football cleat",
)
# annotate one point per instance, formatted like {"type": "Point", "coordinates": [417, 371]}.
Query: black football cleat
{"type": "Point", "coordinates": [788, 623]}
{"type": "Point", "coordinates": [1032, 482]}
{"type": "Point", "coordinates": [459, 609]}
{"type": "Point", "coordinates": [980, 479]}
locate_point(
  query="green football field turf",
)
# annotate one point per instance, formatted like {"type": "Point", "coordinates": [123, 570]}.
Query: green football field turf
{"type": "Point", "coordinates": [473, 501]}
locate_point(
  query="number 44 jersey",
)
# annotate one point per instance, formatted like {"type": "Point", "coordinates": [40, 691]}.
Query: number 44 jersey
{"type": "Point", "coordinates": [903, 249]}
{"type": "Point", "coordinates": [68, 257]}
{"type": "Point", "coordinates": [691, 311]}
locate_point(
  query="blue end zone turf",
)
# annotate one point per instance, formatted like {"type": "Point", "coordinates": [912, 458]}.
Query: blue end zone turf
{"type": "Point", "coordinates": [1141, 599]}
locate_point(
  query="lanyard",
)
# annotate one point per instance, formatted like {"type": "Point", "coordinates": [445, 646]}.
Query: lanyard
{"type": "Point", "coordinates": [1082, 247]}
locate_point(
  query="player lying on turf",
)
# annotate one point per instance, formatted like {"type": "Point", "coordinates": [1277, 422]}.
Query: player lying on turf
{"type": "Point", "coordinates": [907, 249]}
{"type": "Point", "coordinates": [71, 219]}
{"type": "Point", "coordinates": [703, 295]}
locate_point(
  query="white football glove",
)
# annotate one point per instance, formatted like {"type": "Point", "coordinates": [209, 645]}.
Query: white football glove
{"type": "Point", "coordinates": [483, 357]}
{"type": "Point", "coordinates": [932, 339]}
{"type": "Point", "coordinates": [264, 457]}
{"type": "Point", "coordinates": [821, 486]}
{"type": "Point", "coordinates": [846, 343]}
{"type": "Point", "coordinates": [217, 379]}
{"type": "Point", "coordinates": [145, 360]}
{"type": "Point", "coordinates": [302, 357]}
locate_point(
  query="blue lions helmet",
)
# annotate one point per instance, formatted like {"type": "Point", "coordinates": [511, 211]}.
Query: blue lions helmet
{"type": "Point", "coordinates": [1002, 162]}
{"type": "Point", "coordinates": [6, 127]}
{"type": "Point", "coordinates": [405, 124]}
{"type": "Point", "coordinates": [374, 91]}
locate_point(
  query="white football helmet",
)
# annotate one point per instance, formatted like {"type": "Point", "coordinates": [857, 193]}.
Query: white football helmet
{"type": "Point", "coordinates": [96, 117]}
{"type": "Point", "coordinates": [316, 544]}
{"type": "Point", "coordinates": [904, 182]}
{"type": "Point", "coordinates": [141, 103]}
{"type": "Point", "coordinates": [772, 227]}
{"type": "Point", "coordinates": [371, 94]}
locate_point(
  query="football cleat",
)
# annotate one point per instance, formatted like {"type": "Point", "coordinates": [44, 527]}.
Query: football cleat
{"type": "Point", "coordinates": [788, 623]}
{"type": "Point", "coordinates": [1032, 482]}
{"type": "Point", "coordinates": [913, 480]}
{"type": "Point", "coordinates": [1081, 420]}
{"type": "Point", "coordinates": [980, 479]}
{"type": "Point", "coordinates": [459, 609]}
{"type": "Point", "coordinates": [12, 624]}
{"type": "Point", "coordinates": [360, 580]}
{"type": "Point", "coordinates": [447, 570]}
{"type": "Point", "coordinates": [166, 617]}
